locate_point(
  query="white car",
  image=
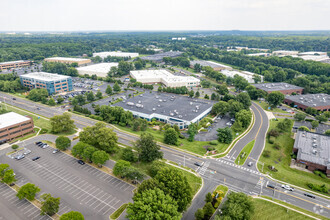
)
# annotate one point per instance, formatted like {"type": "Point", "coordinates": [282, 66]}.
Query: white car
{"type": "Point", "coordinates": [55, 151]}
{"type": "Point", "coordinates": [229, 123]}
{"type": "Point", "coordinates": [287, 187]}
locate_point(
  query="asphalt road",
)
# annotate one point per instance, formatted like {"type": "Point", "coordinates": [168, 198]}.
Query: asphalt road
{"type": "Point", "coordinates": [214, 172]}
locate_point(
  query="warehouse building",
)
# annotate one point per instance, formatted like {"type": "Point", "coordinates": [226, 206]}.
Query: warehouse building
{"type": "Point", "coordinates": [115, 54]}
{"type": "Point", "coordinates": [68, 60]}
{"type": "Point", "coordinates": [313, 151]}
{"type": "Point", "coordinates": [283, 53]}
{"type": "Point", "coordinates": [168, 108]}
{"type": "Point", "coordinates": [215, 66]}
{"type": "Point", "coordinates": [245, 74]}
{"type": "Point", "coordinates": [164, 77]}
{"type": "Point", "coordinates": [100, 69]}
{"type": "Point", "coordinates": [54, 83]}
{"type": "Point", "coordinates": [319, 101]}
{"type": "Point", "coordinates": [13, 125]}
{"type": "Point", "coordinates": [14, 64]}
{"type": "Point", "coordinates": [159, 56]}
{"type": "Point", "coordinates": [284, 88]}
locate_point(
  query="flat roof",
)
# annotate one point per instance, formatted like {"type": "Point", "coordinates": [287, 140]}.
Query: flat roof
{"type": "Point", "coordinates": [209, 63]}
{"type": "Point", "coordinates": [115, 54]}
{"type": "Point", "coordinates": [66, 59]}
{"type": "Point", "coordinates": [43, 76]}
{"type": "Point", "coordinates": [276, 86]}
{"type": "Point", "coordinates": [312, 147]}
{"type": "Point", "coordinates": [161, 75]}
{"type": "Point", "coordinates": [171, 105]}
{"type": "Point", "coordinates": [98, 69]}
{"type": "Point", "coordinates": [11, 118]}
{"type": "Point", "coordinates": [160, 56]}
{"type": "Point", "coordinates": [17, 61]}
{"type": "Point", "coordinates": [311, 100]}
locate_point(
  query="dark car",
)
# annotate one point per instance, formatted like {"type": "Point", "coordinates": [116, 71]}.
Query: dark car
{"type": "Point", "coordinates": [81, 162]}
{"type": "Point", "coordinates": [309, 195]}
{"type": "Point", "coordinates": [39, 142]}
{"type": "Point", "coordinates": [198, 164]}
{"type": "Point", "coordinates": [14, 98]}
{"type": "Point", "coordinates": [35, 158]}
{"type": "Point", "coordinates": [40, 145]}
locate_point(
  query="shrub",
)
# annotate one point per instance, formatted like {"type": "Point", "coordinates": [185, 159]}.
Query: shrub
{"type": "Point", "coordinates": [319, 173]}
{"type": "Point", "coordinates": [271, 140]}
{"type": "Point", "coordinates": [320, 188]}
{"type": "Point", "coordinates": [214, 142]}
{"type": "Point", "coordinates": [210, 148]}
{"type": "Point", "coordinates": [43, 131]}
{"type": "Point", "coordinates": [273, 133]}
{"type": "Point", "coordinates": [277, 146]}
{"type": "Point", "coordinates": [266, 153]}
{"type": "Point", "coordinates": [14, 147]}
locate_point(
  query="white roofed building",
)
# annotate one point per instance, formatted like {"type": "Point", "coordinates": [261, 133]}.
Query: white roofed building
{"type": "Point", "coordinates": [100, 69]}
{"type": "Point", "coordinates": [115, 54]}
{"type": "Point", "coordinates": [245, 74]}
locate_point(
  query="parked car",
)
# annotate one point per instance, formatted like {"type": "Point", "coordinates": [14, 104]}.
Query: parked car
{"type": "Point", "coordinates": [229, 123]}
{"type": "Point", "coordinates": [44, 146]}
{"type": "Point", "coordinates": [55, 151]}
{"type": "Point", "coordinates": [39, 142]}
{"type": "Point", "coordinates": [20, 156]}
{"type": "Point", "coordinates": [81, 162]}
{"type": "Point", "coordinates": [27, 152]}
{"type": "Point", "coordinates": [35, 158]}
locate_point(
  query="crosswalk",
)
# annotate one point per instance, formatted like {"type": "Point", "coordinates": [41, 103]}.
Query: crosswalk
{"type": "Point", "coordinates": [237, 166]}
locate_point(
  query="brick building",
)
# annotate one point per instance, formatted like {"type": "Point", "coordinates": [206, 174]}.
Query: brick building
{"type": "Point", "coordinates": [14, 64]}
{"type": "Point", "coordinates": [313, 150]}
{"type": "Point", "coordinates": [13, 125]}
{"type": "Point", "coordinates": [284, 88]}
{"type": "Point", "coordinates": [319, 101]}
{"type": "Point", "coordinates": [54, 83]}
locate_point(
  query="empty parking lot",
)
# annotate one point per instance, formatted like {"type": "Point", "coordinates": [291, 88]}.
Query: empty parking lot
{"type": "Point", "coordinates": [81, 188]}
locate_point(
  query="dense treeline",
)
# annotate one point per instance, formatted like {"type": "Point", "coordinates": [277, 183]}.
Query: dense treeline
{"type": "Point", "coordinates": [10, 83]}
{"type": "Point", "coordinates": [60, 68]}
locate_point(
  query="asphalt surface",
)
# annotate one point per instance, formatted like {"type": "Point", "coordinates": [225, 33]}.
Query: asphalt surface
{"type": "Point", "coordinates": [215, 171]}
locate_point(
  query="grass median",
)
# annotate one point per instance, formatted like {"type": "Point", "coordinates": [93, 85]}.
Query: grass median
{"type": "Point", "coordinates": [244, 154]}
{"type": "Point", "coordinates": [119, 211]}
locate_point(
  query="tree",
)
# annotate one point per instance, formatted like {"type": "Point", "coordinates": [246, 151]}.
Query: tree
{"type": "Point", "coordinates": [100, 157]}
{"type": "Point", "coordinates": [256, 78]}
{"type": "Point", "coordinates": [222, 89]}
{"type": "Point", "coordinates": [220, 108]}
{"type": "Point", "coordinates": [175, 184]}
{"type": "Point", "coordinates": [208, 210]}
{"type": "Point", "coordinates": [206, 96]}
{"type": "Point", "coordinates": [50, 205]}
{"type": "Point", "coordinates": [327, 132]}
{"type": "Point", "coordinates": [314, 124]}
{"type": "Point", "coordinates": [121, 167]}
{"type": "Point", "coordinates": [62, 143]}
{"type": "Point", "coordinates": [244, 116]}
{"type": "Point", "coordinates": [14, 146]}
{"type": "Point", "coordinates": [128, 155]}
{"type": "Point", "coordinates": [197, 67]}
{"type": "Point", "coordinates": [284, 125]}
{"type": "Point", "coordinates": [107, 139]}
{"type": "Point", "coordinates": [234, 107]}
{"type": "Point", "coordinates": [90, 96]}
{"type": "Point", "coordinates": [78, 149]}
{"type": "Point", "coordinates": [116, 87]}
{"type": "Point", "coordinates": [303, 128]}
{"type": "Point", "coordinates": [3, 168]}
{"type": "Point", "coordinates": [88, 153]}
{"type": "Point", "coordinates": [171, 136]}
{"type": "Point", "coordinates": [208, 197]}
{"type": "Point", "coordinates": [275, 98]}
{"type": "Point", "coordinates": [62, 123]}
{"type": "Point", "coordinates": [197, 94]}
{"type": "Point", "coordinates": [199, 214]}
{"type": "Point", "coordinates": [8, 177]}
{"type": "Point", "coordinates": [153, 204]}
{"type": "Point", "coordinates": [28, 191]}
{"type": "Point", "coordinates": [99, 94]}
{"type": "Point", "coordinates": [191, 93]}
{"type": "Point", "coordinates": [322, 118]}
{"type": "Point", "coordinates": [37, 94]}
{"type": "Point", "coordinates": [73, 215]}
{"type": "Point", "coordinates": [192, 131]}
{"type": "Point", "coordinates": [51, 102]}
{"type": "Point", "coordinates": [237, 126]}
{"type": "Point", "coordinates": [108, 90]}
{"type": "Point", "coordinates": [244, 98]}
{"type": "Point", "coordinates": [299, 116]}
{"type": "Point", "coordinates": [225, 135]}
{"type": "Point", "coordinates": [60, 99]}
{"type": "Point", "coordinates": [240, 83]}
{"type": "Point", "coordinates": [237, 206]}
{"type": "Point", "coordinates": [148, 148]}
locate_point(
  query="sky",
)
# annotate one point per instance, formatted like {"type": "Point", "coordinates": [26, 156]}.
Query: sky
{"type": "Point", "coordinates": [131, 15]}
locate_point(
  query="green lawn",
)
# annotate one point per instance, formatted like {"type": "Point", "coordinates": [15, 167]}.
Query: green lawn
{"type": "Point", "coordinates": [265, 106]}
{"type": "Point", "coordinates": [281, 159]}
{"type": "Point", "coordinates": [244, 154]}
{"type": "Point", "coordinates": [269, 211]}
{"type": "Point", "coordinates": [222, 188]}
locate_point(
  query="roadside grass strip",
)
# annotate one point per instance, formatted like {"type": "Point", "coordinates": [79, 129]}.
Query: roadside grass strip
{"type": "Point", "coordinates": [119, 211]}
{"type": "Point", "coordinates": [244, 154]}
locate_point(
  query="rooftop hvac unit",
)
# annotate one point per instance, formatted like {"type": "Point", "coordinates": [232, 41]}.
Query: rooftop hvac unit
{"type": "Point", "coordinates": [154, 109]}
{"type": "Point", "coordinates": [314, 151]}
{"type": "Point", "coordinates": [130, 103]}
{"type": "Point", "coordinates": [139, 101]}
{"type": "Point", "coordinates": [157, 97]}
{"type": "Point", "coordinates": [180, 116]}
{"type": "Point", "coordinates": [314, 145]}
{"type": "Point", "coordinates": [141, 95]}
{"type": "Point", "coordinates": [190, 103]}
{"type": "Point", "coordinates": [158, 105]}
{"type": "Point", "coordinates": [197, 107]}
{"type": "Point", "coordinates": [164, 100]}
{"type": "Point", "coordinates": [171, 114]}
{"type": "Point", "coordinates": [139, 106]}
{"type": "Point", "coordinates": [160, 100]}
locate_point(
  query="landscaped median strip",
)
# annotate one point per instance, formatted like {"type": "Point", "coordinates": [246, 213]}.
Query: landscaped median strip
{"type": "Point", "coordinates": [244, 154]}
{"type": "Point", "coordinates": [119, 211]}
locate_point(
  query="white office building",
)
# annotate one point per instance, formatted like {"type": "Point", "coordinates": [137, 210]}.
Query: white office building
{"type": "Point", "coordinates": [115, 54]}
{"type": "Point", "coordinates": [100, 69]}
{"type": "Point", "coordinates": [164, 77]}
{"type": "Point", "coordinates": [245, 74]}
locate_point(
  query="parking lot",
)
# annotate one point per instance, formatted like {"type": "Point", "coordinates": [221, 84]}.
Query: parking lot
{"type": "Point", "coordinates": [13, 208]}
{"type": "Point", "coordinates": [211, 134]}
{"type": "Point", "coordinates": [320, 129]}
{"type": "Point", "coordinates": [81, 188]}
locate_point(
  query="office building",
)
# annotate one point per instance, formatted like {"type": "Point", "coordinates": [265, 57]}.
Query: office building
{"type": "Point", "coordinates": [115, 54]}
{"type": "Point", "coordinates": [168, 108]}
{"type": "Point", "coordinates": [319, 101]}
{"type": "Point", "coordinates": [215, 66]}
{"type": "Point", "coordinates": [100, 69]}
{"type": "Point", "coordinates": [14, 64]}
{"type": "Point", "coordinates": [164, 77]}
{"type": "Point", "coordinates": [313, 151]}
{"type": "Point", "coordinates": [68, 60]}
{"type": "Point", "coordinates": [284, 88]}
{"type": "Point", "coordinates": [54, 83]}
{"type": "Point", "coordinates": [13, 125]}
